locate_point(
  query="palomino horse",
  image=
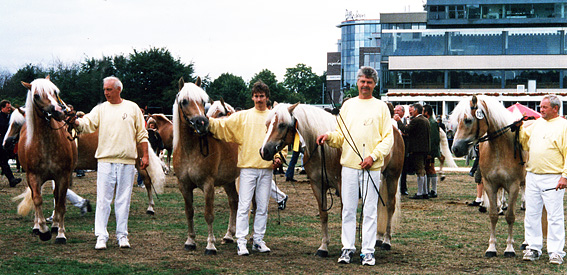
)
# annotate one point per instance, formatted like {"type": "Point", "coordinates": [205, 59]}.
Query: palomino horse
{"type": "Point", "coordinates": [165, 130]}
{"type": "Point", "coordinates": [219, 108]}
{"type": "Point", "coordinates": [46, 152]}
{"type": "Point", "coordinates": [286, 120]}
{"type": "Point", "coordinates": [483, 117]}
{"type": "Point", "coordinates": [200, 161]}
{"type": "Point", "coordinates": [153, 176]}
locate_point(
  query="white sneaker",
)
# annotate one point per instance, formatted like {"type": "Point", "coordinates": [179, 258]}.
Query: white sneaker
{"type": "Point", "coordinates": [260, 247]}
{"type": "Point", "coordinates": [242, 250]}
{"type": "Point", "coordinates": [100, 244]}
{"type": "Point", "coordinates": [123, 242]}
{"type": "Point", "coordinates": [555, 258]}
{"type": "Point", "coordinates": [346, 256]}
{"type": "Point", "coordinates": [530, 255]}
{"type": "Point", "coordinates": [368, 259]}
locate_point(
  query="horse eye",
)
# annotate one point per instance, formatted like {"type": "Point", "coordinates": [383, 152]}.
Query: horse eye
{"type": "Point", "coordinates": [184, 102]}
{"type": "Point", "coordinates": [281, 126]}
{"type": "Point", "coordinates": [468, 121]}
{"type": "Point", "coordinates": [36, 97]}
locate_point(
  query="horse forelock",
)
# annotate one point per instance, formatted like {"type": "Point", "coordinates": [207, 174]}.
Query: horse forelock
{"type": "Point", "coordinates": [494, 111]}
{"type": "Point", "coordinates": [193, 92]}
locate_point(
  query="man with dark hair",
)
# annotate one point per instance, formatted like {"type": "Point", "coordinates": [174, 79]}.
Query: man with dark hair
{"type": "Point", "coordinates": [365, 134]}
{"type": "Point", "coordinates": [5, 111]}
{"type": "Point", "coordinates": [247, 129]}
{"type": "Point", "coordinates": [417, 134]}
{"type": "Point", "coordinates": [434, 152]}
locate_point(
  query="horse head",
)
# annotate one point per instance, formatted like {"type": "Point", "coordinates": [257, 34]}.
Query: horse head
{"type": "Point", "coordinates": [190, 104]}
{"type": "Point", "coordinates": [17, 121]}
{"type": "Point", "coordinates": [220, 108]}
{"type": "Point", "coordinates": [281, 130]}
{"type": "Point", "coordinates": [43, 96]}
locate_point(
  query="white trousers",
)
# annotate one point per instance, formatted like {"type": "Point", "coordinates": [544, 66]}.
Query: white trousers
{"type": "Point", "coordinates": [536, 198]}
{"type": "Point", "coordinates": [113, 178]}
{"type": "Point", "coordinates": [355, 182]}
{"type": "Point", "coordinates": [252, 181]}
{"type": "Point", "coordinates": [276, 193]}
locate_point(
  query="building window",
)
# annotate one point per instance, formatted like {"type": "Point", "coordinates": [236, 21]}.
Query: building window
{"type": "Point", "coordinates": [475, 79]}
{"type": "Point", "coordinates": [543, 78]}
{"type": "Point", "coordinates": [456, 12]}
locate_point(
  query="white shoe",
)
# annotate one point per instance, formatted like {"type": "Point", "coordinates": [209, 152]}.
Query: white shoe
{"type": "Point", "coordinates": [242, 250]}
{"type": "Point", "coordinates": [260, 247]}
{"type": "Point", "coordinates": [555, 258]}
{"type": "Point", "coordinates": [531, 255]}
{"type": "Point", "coordinates": [100, 244]}
{"type": "Point", "coordinates": [368, 259]}
{"type": "Point", "coordinates": [123, 242]}
{"type": "Point", "coordinates": [346, 256]}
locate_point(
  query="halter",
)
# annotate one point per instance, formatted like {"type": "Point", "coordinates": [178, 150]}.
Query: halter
{"type": "Point", "coordinates": [203, 139]}
{"type": "Point", "coordinates": [47, 116]}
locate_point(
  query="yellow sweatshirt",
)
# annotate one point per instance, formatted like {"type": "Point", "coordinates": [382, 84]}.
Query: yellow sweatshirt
{"type": "Point", "coordinates": [370, 126]}
{"type": "Point", "coordinates": [120, 129]}
{"type": "Point", "coordinates": [546, 141]}
{"type": "Point", "coordinates": [246, 128]}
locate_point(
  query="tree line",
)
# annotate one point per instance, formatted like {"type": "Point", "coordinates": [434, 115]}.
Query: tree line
{"type": "Point", "coordinates": [150, 79]}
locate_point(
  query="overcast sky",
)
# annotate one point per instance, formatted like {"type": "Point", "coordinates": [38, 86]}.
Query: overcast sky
{"type": "Point", "coordinates": [237, 36]}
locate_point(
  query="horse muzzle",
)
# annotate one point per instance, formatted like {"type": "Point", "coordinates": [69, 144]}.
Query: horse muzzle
{"type": "Point", "coordinates": [200, 124]}
{"type": "Point", "coordinates": [461, 147]}
{"type": "Point", "coordinates": [269, 150]}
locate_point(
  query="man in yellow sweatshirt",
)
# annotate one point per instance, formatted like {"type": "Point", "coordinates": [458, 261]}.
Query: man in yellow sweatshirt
{"type": "Point", "coordinates": [365, 134]}
{"type": "Point", "coordinates": [121, 127]}
{"type": "Point", "coordinates": [546, 178]}
{"type": "Point", "coordinates": [247, 128]}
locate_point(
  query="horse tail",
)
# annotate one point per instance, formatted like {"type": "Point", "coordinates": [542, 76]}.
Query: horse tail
{"type": "Point", "coordinates": [26, 205]}
{"type": "Point", "coordinates": [155, 172]}
{"type": "Point", "coordinates": [445, 151]}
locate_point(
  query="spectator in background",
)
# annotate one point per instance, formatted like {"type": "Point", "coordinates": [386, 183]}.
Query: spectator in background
{"type": "Point", "coordinates": [5, 111]}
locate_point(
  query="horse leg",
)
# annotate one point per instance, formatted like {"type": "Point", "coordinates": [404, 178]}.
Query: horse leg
{"type": "Point", "coordinates": [209, 191]}
{"type": "Point", "coordinates": [189, 213]}
{"type": "Point", "coordinates": [390, 189]}
{"type": "Point", "coordinates": [41, 225]}
{"type": "Point", "coordinates": [323, 250]}
{"type": "Point", "coordinates": [493, 214]}
{"type": "Point", "coordinates": [60, 195]}
{"type": "Point", "coordinates": [232, 195]}
{"type": "Point", "coordinates": [510, 219]}
{"type": "Point", "coordinates": [148, 184]}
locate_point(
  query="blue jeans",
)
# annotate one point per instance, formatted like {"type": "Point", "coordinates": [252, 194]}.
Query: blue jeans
{"type": "Point", "coordinates": [291, 166]}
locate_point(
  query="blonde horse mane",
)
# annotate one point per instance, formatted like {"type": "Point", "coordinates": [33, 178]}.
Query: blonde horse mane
{"type": "Point", "coordinates": [217, 106]}
{"type": "Point", "coordinates": [191, 92]}
{"type": "Point", "coordinates": [43, 87]}
{"type": "Point", "coordinates": [494, 111]}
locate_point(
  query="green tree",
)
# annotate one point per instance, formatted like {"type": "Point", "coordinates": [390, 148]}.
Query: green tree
{"type": "Point", "coordinates": [302, 81]}
{"type": "Point", "coordinates": [13, 89]}
{"type": "Point", "coordinates": [232, 89]}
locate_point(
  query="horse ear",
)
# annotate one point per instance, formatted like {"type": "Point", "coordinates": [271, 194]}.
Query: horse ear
{"type": "Point", "coordinates": [198, 81]}
{"type": "Point", "coordinates": [474, 101]}
{"type": "Point", "coordinates": [181, 83]}
{"type": "Point", "coordinates": [223, 105]}
{"type": "Point", "coordinates": [292, 107]}
{"type": "Point", "coordinates": [27, 85]}
{"type": "Point", "coordinates": [47, 77]}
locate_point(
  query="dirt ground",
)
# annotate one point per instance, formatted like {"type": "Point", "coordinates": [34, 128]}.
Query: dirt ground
{"type": "Point", "coordinates": [435, 236]}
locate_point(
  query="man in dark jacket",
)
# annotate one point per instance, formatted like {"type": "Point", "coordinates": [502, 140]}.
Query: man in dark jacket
{"type": "Point", "coordinates": [434, 151]}
{"type": "Point", "coordinates": [402, 122]}
{"type": "Point", "coordinates": [417, 135]}
{"type": "Point", "coordinates": [5, 111]}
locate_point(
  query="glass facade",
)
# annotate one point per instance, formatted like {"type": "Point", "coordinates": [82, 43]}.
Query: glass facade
{"type": "Point", "coordinates": [497, 11]}
{"type": "Point", "coordinates": [355, 35]}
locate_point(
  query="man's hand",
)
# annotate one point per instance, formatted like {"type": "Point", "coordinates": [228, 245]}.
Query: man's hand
{"type": "Point", "coordinates": [322, 138]}
{"type": "Point", "coordinates": [277, 163]}
{"type": "Point", "coordinates": [516, 125]}
{"type": "Point", "coordinates": [366, 163]}
{"type": "Point", "coordinates": [397, 117]}
{"type": "Point", "coordinates": [145, 160]}
{"type": "Point", "coordinates": [561, 184]}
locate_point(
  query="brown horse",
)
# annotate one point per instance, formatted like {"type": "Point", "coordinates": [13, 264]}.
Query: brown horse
{"type": "Point", "coordinates": [286, 120]}
{"type": "Point", "coordinates": [165, 130]}
{"type": "Point", "coordinates": [201, 161]}
{"type": "Point", "coordinates": [46, 152]}
{"type": "Point", "coordinates": [477, 117]}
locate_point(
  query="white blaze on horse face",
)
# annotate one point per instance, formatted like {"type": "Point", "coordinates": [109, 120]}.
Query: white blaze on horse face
{"type": "Point", "coordinates": [200, 111]}
{"type": "Point", "coordinates": [268, 132]}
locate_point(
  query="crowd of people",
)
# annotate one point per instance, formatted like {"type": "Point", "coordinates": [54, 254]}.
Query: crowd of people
{"type": "Point", "coordinates": [367, 140]}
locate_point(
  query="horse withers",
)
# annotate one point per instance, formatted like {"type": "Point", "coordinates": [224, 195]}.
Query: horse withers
{"type": "Point", "coordinates": [481, 118]}
{"type": "Point", "coordinates": [287, 122]}
{"type": "Point", "coordinates": [46, 152]}
{"type": "Point", "coordinates": [201, 161]}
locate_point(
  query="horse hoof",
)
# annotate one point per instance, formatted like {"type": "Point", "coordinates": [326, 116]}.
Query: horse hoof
{"type": "Point", "coordinates": [226, 240]}
{"type": "Point", "coordinates": [490, 254]}
{"type": "Point", "coordinates": [386, 246]}
{"type": "Point", "coordinates": [509, 254]}
{"type": "Point", "coordinates": [482, 209]}
{"type": "Point", "coordinates": [45, 236]}
{"type": "Point", "coordinates": [60, 241]}
{"type": "Point", "coordinates": [54, 230]}
{"type": "Point", "coordinates": [322, 253]}
{"type": "Point", "coordinates": [149, 212]}
{"type": "Point", "coordinates": [210, 252]}
{"type": "Point", "coordinates": [501, 213]}
{"type": "Point", "coordinates": [35, 231]}
{"type": "Point", "coordinates": [190, 247]}
{"type": "Point", "coordinates": [378, 243]}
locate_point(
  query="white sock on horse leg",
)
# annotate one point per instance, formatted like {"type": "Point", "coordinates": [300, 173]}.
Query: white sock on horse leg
{"type": "Point", "coordinates": [478, 200]}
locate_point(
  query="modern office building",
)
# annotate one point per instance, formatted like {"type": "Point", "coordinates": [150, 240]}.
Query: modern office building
{"type": "Point", "coordinates": [511, 49]}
